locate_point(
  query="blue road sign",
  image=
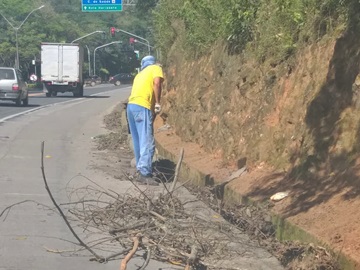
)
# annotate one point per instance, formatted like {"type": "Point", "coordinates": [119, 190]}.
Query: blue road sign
{"type": "Point", "coordinates": [101, 5]}
{"type": "Point", "coordinates": [101, 2]}
{"type": "Point", "coordinates": [101, 8]}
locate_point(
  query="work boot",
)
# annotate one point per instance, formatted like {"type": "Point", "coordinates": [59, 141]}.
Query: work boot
{"type": "Point", "coordinates": [146, 180]}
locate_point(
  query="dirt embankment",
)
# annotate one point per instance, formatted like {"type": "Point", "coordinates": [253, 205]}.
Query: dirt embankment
{"type": "Point", "coordinates": [295, 124]}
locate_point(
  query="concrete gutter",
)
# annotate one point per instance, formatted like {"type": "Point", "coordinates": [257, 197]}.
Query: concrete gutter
{"type": "Point", "coordinates": [285, 230]}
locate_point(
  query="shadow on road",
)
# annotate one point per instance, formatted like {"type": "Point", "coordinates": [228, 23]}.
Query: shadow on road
{"type": "Point", "coordinates": [92, 97]}
{"type": "Point", "coordinates": [22, 106]}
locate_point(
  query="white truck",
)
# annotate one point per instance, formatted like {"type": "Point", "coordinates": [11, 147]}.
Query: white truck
{"type": "Point", "coordinates": [61, 68]}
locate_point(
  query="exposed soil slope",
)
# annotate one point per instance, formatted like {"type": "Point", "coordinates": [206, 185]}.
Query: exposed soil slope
{"type": "Point", "coordinates": [295, 124]}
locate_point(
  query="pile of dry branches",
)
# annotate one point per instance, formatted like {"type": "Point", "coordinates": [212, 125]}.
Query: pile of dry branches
{"type": "Point", "coordinates": [156, 223]}
{"type": "Point", "coordinates": [142, 218]}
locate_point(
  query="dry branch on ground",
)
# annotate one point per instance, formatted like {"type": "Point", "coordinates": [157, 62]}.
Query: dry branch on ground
{"type": "Point", "coordinates": [166, 227]}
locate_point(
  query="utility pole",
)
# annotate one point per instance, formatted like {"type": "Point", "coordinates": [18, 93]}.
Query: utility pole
{"type": "Point", "coordinates": [95, 32]}
{"type": "Point", "coordinates": [131, 34]}
{"type": "Point", "coordinates": [89, 57]}
{"type": "Point", "coordinates": [35, 64]}
{"type": "Point", "coordinates": [102, 46]}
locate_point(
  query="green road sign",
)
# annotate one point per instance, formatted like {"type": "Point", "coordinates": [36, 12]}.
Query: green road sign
{"type": "Point", "coordinates": [101, 8]}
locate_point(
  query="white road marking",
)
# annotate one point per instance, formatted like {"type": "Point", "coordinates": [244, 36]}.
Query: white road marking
{"type": "Point", "coordinates": [76, 101]}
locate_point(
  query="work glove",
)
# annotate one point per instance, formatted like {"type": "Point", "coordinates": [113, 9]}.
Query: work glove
{"type": "Point", "coordinates": [157, 108]}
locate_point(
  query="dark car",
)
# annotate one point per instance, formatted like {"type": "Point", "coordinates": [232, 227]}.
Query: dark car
{"type": "Point", "coordinates": [122, 78]}
{"type": "Point", "coordinates": [93, 80]}
{"type": "Point", "coordinates": [13, 87]}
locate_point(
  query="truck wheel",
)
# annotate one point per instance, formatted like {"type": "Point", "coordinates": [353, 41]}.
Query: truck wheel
{"type": "Point", "coordinates": [48, 94]}
{"type": "Point", "coordinates": [53, 93]}
{"type": "Point", "coordinates": [117, 83]}
{"type": "Point", "coordinates": [79, 92]}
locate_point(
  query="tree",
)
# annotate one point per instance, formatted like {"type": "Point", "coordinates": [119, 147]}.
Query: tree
{"type": "Point", "coordinates": [144, 7]}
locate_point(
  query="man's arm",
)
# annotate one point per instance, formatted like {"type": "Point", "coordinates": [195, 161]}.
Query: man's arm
{"type": "Point", "coordinates": [157, 89]}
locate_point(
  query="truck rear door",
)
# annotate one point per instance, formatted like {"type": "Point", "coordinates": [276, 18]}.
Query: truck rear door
{"type": "Point", "coordinates": [60, 63]}
{"type": "Point", "coordinates": [50, 63]}
{"type": "Point", "coordinates": [70, 63]}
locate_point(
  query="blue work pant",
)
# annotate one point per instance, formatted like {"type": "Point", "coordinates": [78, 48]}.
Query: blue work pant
{"type": "Point", "coordinates": [140, 122]}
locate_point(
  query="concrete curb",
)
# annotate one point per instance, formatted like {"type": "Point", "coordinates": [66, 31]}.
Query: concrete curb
{"type": "Point", "coordinates": [285, 230]}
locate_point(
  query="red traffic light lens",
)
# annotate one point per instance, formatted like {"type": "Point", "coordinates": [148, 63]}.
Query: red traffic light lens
{"type": "Point", "coordinates": [112, 31]}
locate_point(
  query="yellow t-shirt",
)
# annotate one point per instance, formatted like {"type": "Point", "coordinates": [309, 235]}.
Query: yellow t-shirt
{"type": "Point", "coordinates": [142, 92]}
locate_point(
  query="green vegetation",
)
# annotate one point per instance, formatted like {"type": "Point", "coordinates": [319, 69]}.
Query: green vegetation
{"type": "Point", "coordinates": [63, 21]}
{"type": "Point", "coordinates": [272, 29]}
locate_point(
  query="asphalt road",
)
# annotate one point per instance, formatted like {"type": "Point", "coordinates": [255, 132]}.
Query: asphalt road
{"type": "Point", "coordinates": [32, 236]}
{"type": "Point", "coordinates": [37, 99]}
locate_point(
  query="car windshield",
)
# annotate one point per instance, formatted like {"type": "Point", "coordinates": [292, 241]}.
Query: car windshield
{"type": "Point", "coordinates": [7, 74]}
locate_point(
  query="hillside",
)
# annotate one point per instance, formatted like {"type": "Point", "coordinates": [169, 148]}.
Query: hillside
{"type": "Point", "coordinates": [294, 120]}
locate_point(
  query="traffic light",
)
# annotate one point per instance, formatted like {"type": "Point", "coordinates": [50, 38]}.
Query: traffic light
{"type": "Point", "coordinates": [112, 31]}
{"type": "Point", "coordinates": [137, 54]}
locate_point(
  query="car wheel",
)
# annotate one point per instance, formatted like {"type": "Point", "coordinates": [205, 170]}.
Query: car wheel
{"type": "Point", "coordinates": [92, 83]}
{"type": "Point", "coordinates": [49, 93]}
{"type": "Point", "coordinates": [18, 101]}
{"type": "Point", "coordinates": [25, 101]}
{"type": "Point", "coordinates": [117, 83]}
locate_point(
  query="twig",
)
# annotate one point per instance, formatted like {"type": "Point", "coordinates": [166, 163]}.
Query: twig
{"type": "Point", "coordinates": [219, 187]}
{"type": "Point", "coordinates": [8, 208]}
{"type": "Point", "coordinates": [135, 226]}
{"type": "Point", "coordinates": [57, 250]}
{"type": "Point", "coordinates": [177, 169]}
{"type": "Point", "coordinates": [182, 184]}
{"type": "Point", "coordinates": [157, 215]}
{"type": "Point", "coordinates": [136, 186]}
{"type": "Point", "coordinates": [148, 256]}
{"type": "Point", "coordinates": [59, 209]}
{"type": "Point", "coordinates": [82, 202]}
{"type": "Point", "coordinates": [127, 258]}
{"type": "Point", "coordinates": [192, 257]}
{"type": "Point", "coordinates": [115, 255]}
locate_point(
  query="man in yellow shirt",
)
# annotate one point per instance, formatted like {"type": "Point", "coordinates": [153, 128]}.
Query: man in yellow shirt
{"type": "Point", "coordinates": [144, 103]}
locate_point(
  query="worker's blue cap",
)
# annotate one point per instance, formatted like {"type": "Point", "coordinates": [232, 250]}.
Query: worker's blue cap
{"type": "Point", "coordinates": [147, 61]}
